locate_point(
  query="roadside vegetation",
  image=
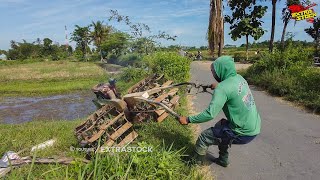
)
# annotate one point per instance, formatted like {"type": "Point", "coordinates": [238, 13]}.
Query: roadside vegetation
{"type": "Point", "coordinates": [170, 141]}
{"type": "Point", "coordinates": [289, 70]}
{"type": "Point", "coordinates": [289, 74]}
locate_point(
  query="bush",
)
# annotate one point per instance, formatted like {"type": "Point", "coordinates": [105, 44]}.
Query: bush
{"type": "Point", "coordinates": [283, 60]}
{"type": "Point", "coordinates": [95, 57]}
{"type": "Point", "coordinates": [130, 60]}
{"type": "Point", "coordinates": [288, 74]}
{"type": "Point", "coordinates": [78, 54]}
{"type": "Point", "coordinates": [239, 57]}
{"type": "Point", "coordinates": [130, 74]}
{"type": "Point", "coordinates": [54, 57]}
{"type": "Point", "coordinates": [172, 65]}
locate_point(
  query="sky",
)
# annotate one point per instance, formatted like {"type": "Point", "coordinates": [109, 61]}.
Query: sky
{"type": "Point", "coordinates": [188, 19]}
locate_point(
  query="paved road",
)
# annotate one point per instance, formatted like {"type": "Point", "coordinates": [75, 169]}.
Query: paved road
{"type": "Point", "coordinates": [287, 148]}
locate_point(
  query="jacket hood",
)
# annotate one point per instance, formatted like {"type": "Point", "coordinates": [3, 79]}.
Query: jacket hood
{"type": "Point", "coordinates": [224, 67]}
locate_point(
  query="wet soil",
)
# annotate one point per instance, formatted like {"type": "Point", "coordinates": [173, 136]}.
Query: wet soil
{"type": "Point", "coordinates": [77, 105]}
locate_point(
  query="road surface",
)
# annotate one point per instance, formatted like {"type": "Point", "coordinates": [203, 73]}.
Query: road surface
{"type": "Point", "coordinates": [288, 146]}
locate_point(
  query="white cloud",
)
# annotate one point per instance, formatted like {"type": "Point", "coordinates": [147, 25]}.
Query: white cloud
{"type": "Point", "coordinates": [190, 12]}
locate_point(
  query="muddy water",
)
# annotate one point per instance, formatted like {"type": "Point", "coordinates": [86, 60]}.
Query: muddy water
{"type": "Point", "coordinates": [60, 107]}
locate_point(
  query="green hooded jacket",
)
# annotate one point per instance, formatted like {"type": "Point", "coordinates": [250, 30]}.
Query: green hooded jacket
{"type": "Point", "coordinates": [234, 97]}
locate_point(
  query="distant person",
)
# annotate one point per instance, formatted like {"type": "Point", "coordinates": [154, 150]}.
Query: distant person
{"type": "Point", "coordinates": [199, 55]}
{"type": "Point", "coordinates": [232, 95]}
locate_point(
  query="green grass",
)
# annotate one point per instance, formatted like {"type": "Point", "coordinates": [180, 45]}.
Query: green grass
{"type": "Point", "coordinates": [170, 142]}
{"type": "Point", "coordinates": [36, 88]}
{"type": "Point", "coordinates": [51, 70]}
{"type": "Point", "coordinates": [288, 74]}
{"type": "Point", "coordinates": [48, 78]}
{"type": "Point", "coordinates": [19, 136]}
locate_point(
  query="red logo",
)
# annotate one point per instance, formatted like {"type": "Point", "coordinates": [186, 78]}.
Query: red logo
{"type": "Point", "coordinates": [300, 12]}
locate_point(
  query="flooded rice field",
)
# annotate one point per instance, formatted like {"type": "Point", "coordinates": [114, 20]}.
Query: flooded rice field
{"type": "Point", "coordinates": [14, 110]}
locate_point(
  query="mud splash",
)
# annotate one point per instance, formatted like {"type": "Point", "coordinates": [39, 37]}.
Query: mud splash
{"type": "Point", "coordinates": [60, 107]}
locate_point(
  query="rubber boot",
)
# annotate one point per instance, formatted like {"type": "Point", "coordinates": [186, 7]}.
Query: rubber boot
{"type": "Point", "coordinates": [200, 160]}
{"type": "Point", "coordinates": [223, 156]}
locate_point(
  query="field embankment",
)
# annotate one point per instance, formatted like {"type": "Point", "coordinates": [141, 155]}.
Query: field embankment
{"type": "Point", "coordinates": [48, 78]}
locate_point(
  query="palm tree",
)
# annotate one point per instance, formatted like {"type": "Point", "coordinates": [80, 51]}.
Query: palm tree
{"type": "Point", "coordinates": [13, 44]}
{"type": "Point", "coordinates": [216, 28]}
{"type": "Point", "coordinates": [81, 35]}
{"type": "Point", "coordinates": [314, 32]}
{"type": "Point", "coordinates": [99, 33]}
{"type": "Point", "coordinates": [286, 16]}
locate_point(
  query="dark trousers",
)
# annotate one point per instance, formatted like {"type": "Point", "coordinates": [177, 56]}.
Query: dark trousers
{"type": "Point", "coordinates": [220, 135]}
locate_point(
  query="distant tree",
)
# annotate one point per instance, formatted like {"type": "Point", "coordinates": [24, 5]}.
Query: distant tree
{"type": "Point", "coordinates": [38, 41]}
{"type": "Point", "coordinates": [24, 50]}
{"type": "Point", "coordinates": [174, 47]}
{"type": "Point", "coordinates": [13, 44]}
{"type": "Point", "coordinates": [289, 39]}
{"type": "Point", "coordinates": [13, 53]}
{"type": "Point", "coordinates": [142, 45]}
{"type": "Point", "coordinates": [192, 48]}
{"type": "Point", "coordinates": [203, 48]}
{"type": "Point", "coordinates": [70, 50]}
{"type": "Point", "coordinates": [245, 20]}
{"type": "Point", "coordinates": [47, 42]}
{"type": "Point", "coordinates": [99, 34]}
{"type": "Point", "coordinates": [47, 48]}
{"type": "Point", "coordinates": [140, 33]}
{"type": "Point", "coordinates": [3, 52]}
{"type": "Point", "coordinates": [81, 35]}
{"type": "Point", "coordinates": [314, 32]}
{"type": "Point", "coordinates": [115, 44]}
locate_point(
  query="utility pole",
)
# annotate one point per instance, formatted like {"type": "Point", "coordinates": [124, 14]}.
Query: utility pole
{"type": "Point", "coordinates": [67, 41]}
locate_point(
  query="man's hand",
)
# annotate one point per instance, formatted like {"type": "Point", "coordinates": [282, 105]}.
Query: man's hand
{"type": "Point", "coordinates": [214, 85]}
{"type": "Point", "coordinates": [183, 120]}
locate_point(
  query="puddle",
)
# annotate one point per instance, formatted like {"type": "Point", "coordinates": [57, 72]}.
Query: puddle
{"type": "Point", "coordinates": [14, 110]}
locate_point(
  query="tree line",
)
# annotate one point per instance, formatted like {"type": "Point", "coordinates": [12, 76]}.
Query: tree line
{"type": "Point", "coordinates": [111, 42]}
{"type": "Point", "coordinates": [102, 40]}
{"type": "Point", "coordinates": [97, 40]}
{"type": "Point", "coordinates": [44, 48]}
